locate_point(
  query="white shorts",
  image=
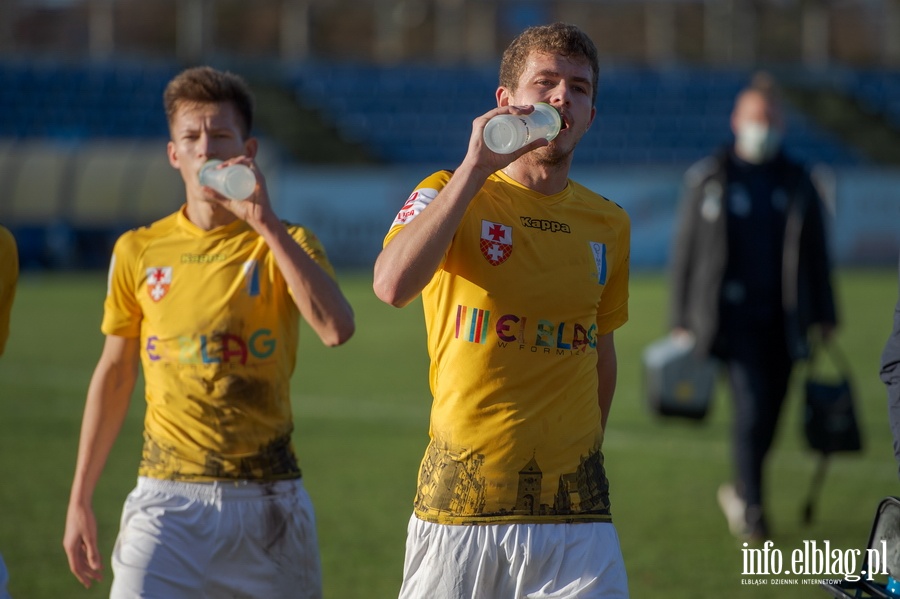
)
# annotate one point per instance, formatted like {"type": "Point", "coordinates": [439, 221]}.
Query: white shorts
{"type": "Point", "coordinates": [205, 540]}
{"type": "Point", "coordinates": [513, 561]}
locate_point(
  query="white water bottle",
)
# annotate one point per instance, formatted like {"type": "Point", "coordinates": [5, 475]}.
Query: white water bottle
{"type": "Point", "coordinates": [506, 133]}
{"type": "Point", "coordinates": [235, 182]}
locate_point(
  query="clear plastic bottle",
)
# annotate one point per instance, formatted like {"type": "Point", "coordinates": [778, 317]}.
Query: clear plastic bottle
{"type": "Point", "coordinates": [236, 182]}
{"type": "Point", "coordinates": [506, 133]}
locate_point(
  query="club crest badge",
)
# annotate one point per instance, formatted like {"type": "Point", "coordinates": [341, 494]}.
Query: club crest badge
{"type": "Point", "coordinates": [159, 281]}
{"type": "Point", "coordinates": [496, 242]}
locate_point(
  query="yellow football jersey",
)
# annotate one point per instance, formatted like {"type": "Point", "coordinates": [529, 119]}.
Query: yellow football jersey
{"type": "Point", "coordinates": [9, 275]}
{"type": "Point", "coordinates": [218, 332]}
{"type": "Point", "coordinates": [512, 316]}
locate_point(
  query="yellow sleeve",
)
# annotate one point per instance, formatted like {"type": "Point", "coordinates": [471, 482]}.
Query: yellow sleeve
{"type": "Point", "coordinates": [417, 201]}
{"type": "Point", "coordinates": [122, 313]}
{"type": "Point", "coordinates": [613, 311]}
{"type": "Point", "coordinates": [307, 240]}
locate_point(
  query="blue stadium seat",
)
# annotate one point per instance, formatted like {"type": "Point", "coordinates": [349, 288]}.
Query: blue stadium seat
{"type": "Point", "coordinates": [416, 113]}
{"type": "Point", "coordinates": [80, 101]}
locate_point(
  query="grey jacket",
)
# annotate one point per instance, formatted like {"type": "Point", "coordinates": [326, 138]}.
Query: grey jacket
{"type": "Point", "coordinates": [700, 255]}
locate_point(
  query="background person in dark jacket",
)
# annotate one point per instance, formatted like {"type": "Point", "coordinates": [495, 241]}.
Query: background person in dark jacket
{"type": "Point", "coordinates": [890, 374]}
{"type": "Point", "coordinates": [750, 276]}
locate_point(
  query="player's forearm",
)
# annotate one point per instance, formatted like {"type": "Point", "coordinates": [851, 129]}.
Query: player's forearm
{"type": "Point", "coordinates": [108, 397]}
{"type": "Point", "coordinates": [409, 260]}
{"type": "Point", "coordinates": [316, 294]}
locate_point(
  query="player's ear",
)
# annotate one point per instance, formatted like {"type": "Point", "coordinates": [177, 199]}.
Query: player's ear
{"type": "Point", "coordinates": [251, 147]}
{"type": "Point", "coordinates": [173, 155]}
{"type": "Point", "coordinates": [503, 96]}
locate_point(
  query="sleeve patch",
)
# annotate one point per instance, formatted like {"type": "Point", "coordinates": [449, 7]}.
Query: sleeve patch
{"type": "Point", "coordinates": [416, 203]}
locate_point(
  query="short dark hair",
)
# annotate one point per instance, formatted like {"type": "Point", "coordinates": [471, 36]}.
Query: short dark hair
{"type": "Point", "coordinates": [206, 85]}
{"type": "Point", "coordinates": [556, 38]}
{"type": "Point", "coordinates": [765, 84]}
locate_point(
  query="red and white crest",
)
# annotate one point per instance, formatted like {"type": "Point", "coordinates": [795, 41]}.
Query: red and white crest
{"type": "Point", "coordinates": [496, 242]}
{"type": "Point", "coordinates": [159, 280]}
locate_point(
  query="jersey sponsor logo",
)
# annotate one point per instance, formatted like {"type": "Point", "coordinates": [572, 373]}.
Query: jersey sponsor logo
{"type": "Point", "coordinates": [415, 204]}
{"type": "Point", "coordinates": [187, 258]}
{"type": "Point", "coordinates": [159, 281]}
{"type": "Point", "coordinates": [474, 325]}
{"type": "Point", "coordinates": [496, 242]}
{"type": "Point", "coordinates": [545, 225]}
{"type": "Point", "coordinates": [599, 251]}
{"type": "Point", "coordinates": [212, 348]}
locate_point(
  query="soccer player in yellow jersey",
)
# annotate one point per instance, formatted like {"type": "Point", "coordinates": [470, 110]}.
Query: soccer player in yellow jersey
{"type": "Point", "coordinates": [524, 277]}
{"type": "Point", "coordinates": [208, 300]}
{"type": "Point", "coordinates": [9, 276]}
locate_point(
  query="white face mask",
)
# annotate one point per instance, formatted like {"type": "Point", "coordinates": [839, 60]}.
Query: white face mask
{"type": "Point", "coordinates": [756, 142]}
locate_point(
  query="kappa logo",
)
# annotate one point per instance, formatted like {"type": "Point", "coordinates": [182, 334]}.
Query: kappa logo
{"type": "Point", "coordinates": [407, 211]}
{"type": "Point", "coordinates": [415, 204]}
{"type": "Point", "coordinates": [159, 281]}
{"type": "Point", "coordinates": [496, 242]}
{"type": "Point", "coordinates": [545, 225]}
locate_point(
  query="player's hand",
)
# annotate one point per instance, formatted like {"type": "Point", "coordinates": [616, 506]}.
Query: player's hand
{"type": "Point", "coordinates": [253, 209]}
{"type": "Point", "coordinates": [80, 543]}
{"type": "Point", "coordinates": [481, 155]}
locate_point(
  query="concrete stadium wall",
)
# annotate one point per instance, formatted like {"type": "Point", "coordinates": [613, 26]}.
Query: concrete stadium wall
{"type": "Point", "coordinates": [66, 203]}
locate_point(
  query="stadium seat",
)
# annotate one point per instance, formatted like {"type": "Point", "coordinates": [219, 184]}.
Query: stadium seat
{"type": "Point", "coordinates": [416, 112]}
{"type": "Point", "coordinates": [413, 113]}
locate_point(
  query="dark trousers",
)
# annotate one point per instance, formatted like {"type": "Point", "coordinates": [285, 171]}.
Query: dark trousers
{"type": "Point", "coordinates": [759, 369]}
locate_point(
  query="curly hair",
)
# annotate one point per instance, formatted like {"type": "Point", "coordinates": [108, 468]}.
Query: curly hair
{"type": "Point", "coordinates": [557, 38]}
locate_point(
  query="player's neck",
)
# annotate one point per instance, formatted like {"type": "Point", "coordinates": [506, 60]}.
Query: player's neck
{"type": "Point", "coordinates": [207, 215]}
{"type": "Point", "coordinates": [540, 177]}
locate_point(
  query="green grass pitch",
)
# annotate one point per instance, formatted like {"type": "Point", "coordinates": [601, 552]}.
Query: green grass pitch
{"type": "Point", "coordinates": [362, 416]}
